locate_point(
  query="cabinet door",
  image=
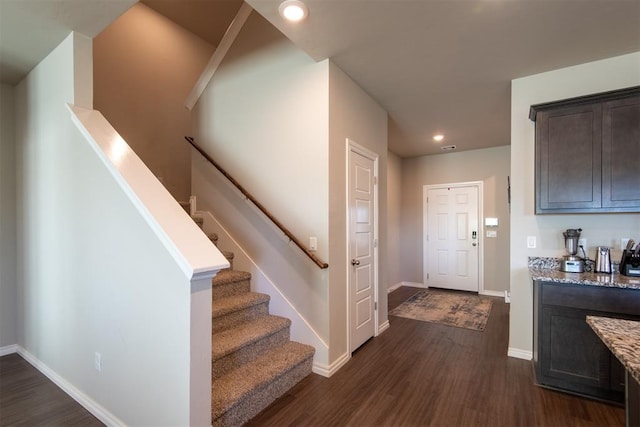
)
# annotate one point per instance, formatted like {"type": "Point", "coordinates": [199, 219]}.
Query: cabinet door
{"type": "Point", "coordinates": [571, 351]}
{"type": "Point", "coordinates": [569, 159]}
{"type": "Point", "coordinates": [621, 153]}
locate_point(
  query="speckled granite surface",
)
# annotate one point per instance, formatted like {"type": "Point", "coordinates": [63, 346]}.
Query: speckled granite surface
{"type": "Point", "coordinates": [541, 268]}
{"type": "Point", "coordinates": [623, 339]}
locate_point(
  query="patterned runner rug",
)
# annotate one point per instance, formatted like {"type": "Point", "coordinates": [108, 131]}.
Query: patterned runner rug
{"type": "Point", "coordinates": [452, 309]}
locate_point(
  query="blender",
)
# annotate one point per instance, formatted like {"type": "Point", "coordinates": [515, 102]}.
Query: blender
{"type": "Point", "coordinates": [572, 263]}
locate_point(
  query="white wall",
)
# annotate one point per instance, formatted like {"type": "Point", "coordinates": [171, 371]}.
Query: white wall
{"type": "Point", "coordinates": [601, 229]}
{"type": "Point", "coordinates": [491, 166]}
{"type": "Point", "coordinates": [394, 205]}
{"type": "Point", "coordinates": [264, 119]}
{"type": "Point", "coordinates": [8, 330]}
{"type": "Point", "coordinates": [355, 115]}
{"type": "Point", "coordinates": [92, 274]}
{"type": "Point", "coordinates": [142, 79]}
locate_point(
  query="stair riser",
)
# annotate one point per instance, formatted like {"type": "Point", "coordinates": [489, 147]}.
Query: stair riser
{"type": "Point", "coordinates": [235, 318]}
{"type": "Point", "coordinates": [243, 355]}
{"type": "Point", "coordinates": [260, 398]}
{"type": "Point", "coordinates": [230, 289]}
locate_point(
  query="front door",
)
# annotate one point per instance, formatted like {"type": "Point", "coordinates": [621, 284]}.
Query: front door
{"type": "Point", "coordinates": [452, 239]}
{"type": "Point", "coordinates": [362, 244]}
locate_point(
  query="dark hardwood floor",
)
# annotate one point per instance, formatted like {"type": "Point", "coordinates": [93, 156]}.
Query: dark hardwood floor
{"type": "Point", "coordinates": [28, 398]}
{"type": "Point", "coordinates": [414, 374]}
{"type": "Point", "coordinates": [425, 374]}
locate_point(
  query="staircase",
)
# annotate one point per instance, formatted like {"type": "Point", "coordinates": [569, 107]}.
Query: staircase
{"type": "Point", "coordinates": [253, 359]}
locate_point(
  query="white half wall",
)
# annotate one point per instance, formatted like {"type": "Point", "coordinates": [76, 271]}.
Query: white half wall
{"type": "Point", "coordinates": [8, 325]}
{"type": "Point", "coordinates": [95, 275]}
{"type": "Point", "coordinates": [601, 229]}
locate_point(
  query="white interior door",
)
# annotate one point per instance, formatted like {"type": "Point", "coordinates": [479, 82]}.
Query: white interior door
{"type": "Point", "coordinates": [452, 238]}
{"type": "Point", "coordinates": [362, 241]}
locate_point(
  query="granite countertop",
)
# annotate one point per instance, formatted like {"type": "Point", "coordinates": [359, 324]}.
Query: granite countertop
{"type": "Point", "coordinates": [623, 339]}
{"type": "Point", "coordinates": [547, 269]}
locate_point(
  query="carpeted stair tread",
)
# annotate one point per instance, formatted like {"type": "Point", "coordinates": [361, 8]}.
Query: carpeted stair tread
{"type": "Point", "coordinates": [248, 379]}
{"type": "Point", "coordinates": [230, 304]}
{"type": "Point", "coordinates": [229, 276]}
{"type": "Point", "coordinates": [213, 237]}
{"type": "Point", "coordinates": [198, 220]}
{"type": "Point", "coordinates": [228, 255]}
{"type": "Point", "coordinates": [226, 342]}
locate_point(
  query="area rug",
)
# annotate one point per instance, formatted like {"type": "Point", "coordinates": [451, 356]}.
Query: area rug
{"type": "Point", "coordinates": [452, 309]}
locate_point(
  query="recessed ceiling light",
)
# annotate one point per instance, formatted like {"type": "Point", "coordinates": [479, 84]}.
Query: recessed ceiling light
{"type": "Point", "coordinates": [293, 10]}
{"type": "Point", "coordinates": [438, 137]}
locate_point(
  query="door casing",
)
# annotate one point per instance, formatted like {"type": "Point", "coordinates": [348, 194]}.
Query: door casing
{"type": "Point", "coordinates": [352, 146]}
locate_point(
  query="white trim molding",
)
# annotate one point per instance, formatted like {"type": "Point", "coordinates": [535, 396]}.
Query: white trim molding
{"type": "Point", "coordinates": [218, 55]}
{"type": "Point", "coordinates": [385, 325]}
{"type": "Point", "coordinates": [491, 293]}
{"type": "Point", "coordinates": [332, 368]}
{"type": "Point", "coordinates": [520, 354]}
{"type": "Point", "coordinates": [85, 401]}
{"type": "Point", "coordinates": [8, 349]}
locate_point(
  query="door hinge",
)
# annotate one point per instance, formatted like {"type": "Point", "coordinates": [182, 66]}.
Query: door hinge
{"type": "Point", "coordinates": [375, 243]}
{"type": "Point", "coordinates": [375, 180]}
{"type": "Point", "coordinates": [375, 306]}
{"type": "Point", "coordinates": [427, 276]}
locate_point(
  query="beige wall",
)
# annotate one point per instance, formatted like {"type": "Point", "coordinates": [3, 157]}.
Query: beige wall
{"type": "Point", "coordinates": [394, 206]}
{"type": "Point", "coordinates": [8, 328]}
{"type": "Point", "coordinates": [491, 166]}
{"type": "Point", "coordinates": [602, 229]}
{"type": "Point", "coordinates": [355, 115]}
{"type": "Point", "coordinates": [144, 68]}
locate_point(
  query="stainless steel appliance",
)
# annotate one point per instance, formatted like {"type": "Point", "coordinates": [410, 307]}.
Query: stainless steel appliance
{"type": "Point", "coordinates": [572, 263]}
{"type": "Point", "coordinates": [630, 262]}
{"type": "Point", "coordinates": [603, 260]}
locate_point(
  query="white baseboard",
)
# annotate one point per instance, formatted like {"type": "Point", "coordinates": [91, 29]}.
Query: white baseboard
{"type": "Point", "coordinates": [85, 401]}
{"type": "Point", "coordinates": [383, 327]}
{"type": "Point", "coordinates": [394, 287]}
{"type": "Point", "coordinates": [491, 293]}
{"type": "Point", "coordinates": [8, 349]}
{"type": "Point", "coordinates": [520, 354]}
{"type": "Point", "coordinates": [414, 285]}
{"type": "Point", "coordinates": [327, 371]}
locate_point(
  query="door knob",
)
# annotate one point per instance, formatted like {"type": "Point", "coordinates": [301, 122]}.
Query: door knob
{"type": "Point", "coordinates": [355, 262]}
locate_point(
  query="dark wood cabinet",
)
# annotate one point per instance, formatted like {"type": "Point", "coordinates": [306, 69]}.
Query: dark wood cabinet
{"type": "Point", "coordinates": [621, 153]}
{"type": "Point", "coordinates": [568, 355]}
{"type": "Point", "coordinates": [587, 154]}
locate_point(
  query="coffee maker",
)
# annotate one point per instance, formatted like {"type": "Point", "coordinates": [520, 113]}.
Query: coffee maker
{"type": "Point", "coordinates": [572, 263]}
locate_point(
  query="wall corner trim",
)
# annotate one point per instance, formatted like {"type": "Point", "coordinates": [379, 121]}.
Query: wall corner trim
{"type": "Point", "coordinates": [520, 354]}
{"type": "Point", "coordinates": [328, 370]}
{"type": "Point", "coordinates": [218, 55]}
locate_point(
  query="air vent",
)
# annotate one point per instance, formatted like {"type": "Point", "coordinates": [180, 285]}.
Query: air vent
{"type": "Point", "coordinates": [448, 147]}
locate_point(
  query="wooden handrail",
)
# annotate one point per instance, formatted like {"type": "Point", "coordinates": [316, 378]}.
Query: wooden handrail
{"type": "Point", "coordinates": [264, 210]}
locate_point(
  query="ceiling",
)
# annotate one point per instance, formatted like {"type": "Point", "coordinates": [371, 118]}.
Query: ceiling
{"type": "Point", "coordinates": [434, 65]}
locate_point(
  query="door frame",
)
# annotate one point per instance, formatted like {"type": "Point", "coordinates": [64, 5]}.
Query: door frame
{"type": "Point", "coordinates": [352, 146]}
{"type": "Point", "coordinates": [425, 227]}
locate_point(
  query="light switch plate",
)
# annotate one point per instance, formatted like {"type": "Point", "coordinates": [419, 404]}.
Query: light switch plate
{"type": "Point", "coordinates": [313, 243]}
{"type": "Point", "coordinates": [531, 242]}
{"type": "Point", "coordinates": [492, 233]}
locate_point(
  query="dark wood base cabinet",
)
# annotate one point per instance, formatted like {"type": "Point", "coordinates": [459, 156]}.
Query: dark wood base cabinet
{"type": "Point", "coordinates": [567, 354]}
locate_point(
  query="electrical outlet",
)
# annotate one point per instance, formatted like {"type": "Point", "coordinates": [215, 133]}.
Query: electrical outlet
{"type": "Point", "coordinates": [582, 242]}
{"type": "Point", "coordinates": [97, 361]}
